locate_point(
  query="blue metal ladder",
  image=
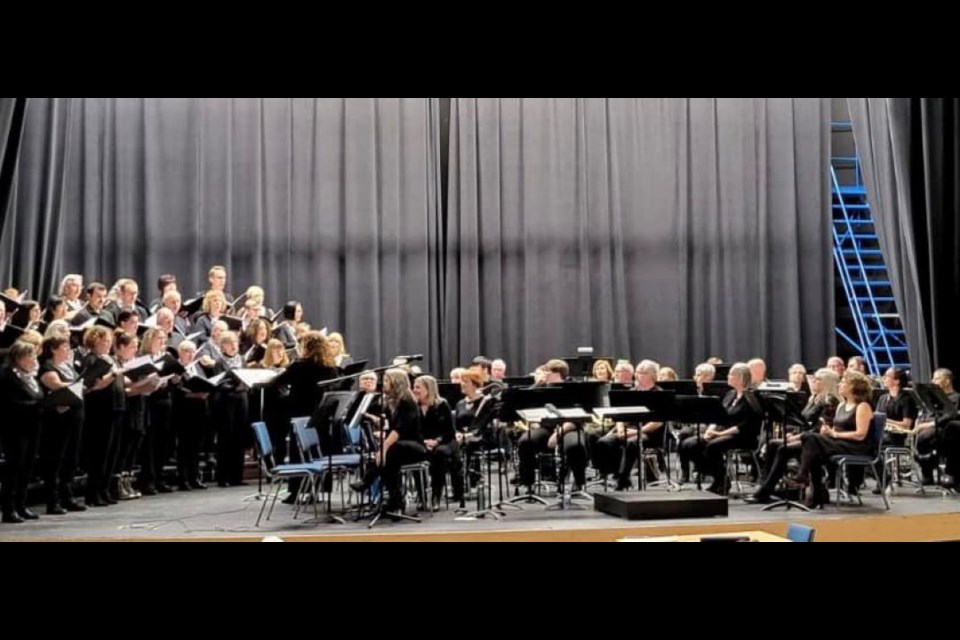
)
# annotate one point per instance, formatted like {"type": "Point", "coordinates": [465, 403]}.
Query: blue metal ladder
{"type": "Point", "coordinates": [879, 337]}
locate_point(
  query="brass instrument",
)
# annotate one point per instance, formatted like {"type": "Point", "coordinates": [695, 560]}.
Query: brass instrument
{"type": "Point", "coordinates": [599, 426]}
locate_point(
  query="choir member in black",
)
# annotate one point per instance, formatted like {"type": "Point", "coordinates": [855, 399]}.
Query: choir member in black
{"type": "Point", "coordinates": [498, 369]}
{"type": "Point", "coordinates": [623, 373]}
{"type": "Point", "coordinates": [538, 439]}
{"type": "Point", "coordinates": [56, 309]}
{"type": "Point", "coordinates": [286, 329]}
{"type": "Point", "coordinates": [301, 377]}
{"type": "Point", "coordinates": [21, 404]}
{"type": "Point", "coordinates": [104, 406]}
{"type": "Point", "coordinates": [70, 289]}
{"type": "Point", "coordinates": [129, 322]}
{"type": "Point", "coordinates": [341, 357]}
{"type": "Point", "coordinates": [217, 277]}
{"type": "Point", "coordinates": [127, 292]}
{"type": "Point", "coordinates": [941, 438]}
{"type": "Point", "coordinates": [166, 323]}
{"type": "Point", "coordinates": [617, 451]}
{"type": "Point", "coordinates": [744, 419]}
{"type": "Point", "coordinates": [209, 352]}
{"type": "Point", "coordinates": [820, 409]}
{"type": "Point", "coordinates": [214, 306]}
{"type": "Point", "coordinates": [189, 418]}
{"type": "Point", "coordinates": [133, 426]}
{"type": "Point", "coordinates": [275, 410]}
{"type": "Point", "coordinates": [96, 296]}
{"type": "Point", "coordinates": [850, 434]}
{"type": "Point", "coordinates": [28, 316]}
{"type": "Point", "coordinates": [62, 426]}
{"type": "Point", "coordinates": [230, 413]}
{"type": "Point", "coordinates": [254, 303]}
{"type": "Point", "coordinates": [254, 341]}
{"type": "Point", "coordinates": [439, 435]}
{"type": "Point", "coordinates": [165, 283]}
{"type": "Point", "coordinates": [173, 302]}
{"type": "Point", "coordinates": [403, 443]}
{"type": "Point", "coordinates": [158, 441]}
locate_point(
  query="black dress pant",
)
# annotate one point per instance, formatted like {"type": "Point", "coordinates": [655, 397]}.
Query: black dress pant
{"type": "Point", "coordinates": [59, 452]}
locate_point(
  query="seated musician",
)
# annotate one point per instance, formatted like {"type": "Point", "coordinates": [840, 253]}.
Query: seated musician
{"type": "Point", "coordinates": [745, 417]}
{"type": "Point", "coordinates": [933, 437]}
{"type": "Point", "coordinates": [820, 408]}
{"type": "Point", "coordinates": [403, 444]}
{"type": "Point", "coordinates": [705, 372]}
{"type": "Point", "coordinates": [848, 434]}
{"type": "Point", "coordinates": [439, 436]}
{"type": "Point", "coordinates": [539, 439]}
{"type": "Point", "coordinates": [602, 371]}
{"type": "Point", "coordinates": [617, 451]}
{"type": "Point", "coordinates": [339, 347]}
{"type": "Point", "coordinates": [797, 375]}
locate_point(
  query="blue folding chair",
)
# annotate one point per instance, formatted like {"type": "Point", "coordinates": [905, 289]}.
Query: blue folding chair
{"type": "Point", "coordinates": [800, 533]}
{"type": "Point", "coordinates": [276, 474]}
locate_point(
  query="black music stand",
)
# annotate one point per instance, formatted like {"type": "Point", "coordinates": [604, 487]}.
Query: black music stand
{"type": "Point", "coordinates": [786, 409]}
{"type": "Point", "coordinates": [328, 420]}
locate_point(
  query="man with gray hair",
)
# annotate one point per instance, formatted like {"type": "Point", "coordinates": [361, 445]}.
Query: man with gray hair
{"type": "Point", "coordinates": [617, 451]}
{"type": "Point", "coordinates": [623, 372]}
{"type": "Point", "coordinates": [498, 369]}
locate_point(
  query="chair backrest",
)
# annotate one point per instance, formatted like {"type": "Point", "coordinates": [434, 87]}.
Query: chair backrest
{"type": "Point", "coordinates": [877, 424]}
{"type": "Point", "coordinates": [308, 440]}
{"type": "Point", "coordinates": [800, 532]}
{"type": "Point", "coordinates": [261, 440]}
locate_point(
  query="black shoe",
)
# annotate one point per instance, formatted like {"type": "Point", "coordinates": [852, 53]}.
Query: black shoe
{"type": "Point", "coordinates": [26, 514]}
{"type": "Point", "coordinates": [106, 497]}
{"type": "Point", "coordinates": [149, 490]}
{"type": "Point", "coordinates": [624, 486]}
{"type": "Point", "coordinates": [198, 485]}
{"type": "Point", "coordinates": [95, 501]}
{"type": "Point", "coordinates": [163, 488]}
{"type": "Point", "coordinates": [71, 505]}
{"type": "Point", "coordinates": [55, 510]}
{"type": "Point", "coordinates": [223, 484]}
{"type": "Point", "coordinates": [11, 517]}
{"type": "Point", "coordinates": [183, 487]}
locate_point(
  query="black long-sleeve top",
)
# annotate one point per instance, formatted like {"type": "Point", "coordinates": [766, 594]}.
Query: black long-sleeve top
{"type": "Point", "coordinates": [436, 423]}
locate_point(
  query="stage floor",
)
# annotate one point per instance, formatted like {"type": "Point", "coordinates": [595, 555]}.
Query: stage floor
{"type": "Point", "coordinates": [229, 514]}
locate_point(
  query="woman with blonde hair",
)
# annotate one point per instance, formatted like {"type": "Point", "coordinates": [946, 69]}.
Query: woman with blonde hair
{"type": "Point", "coordinates": [403, 443]}
{"type": "Point", "coordinates": [341, 357]}
{"type": "Point", "coordinates": [603, 371]}
{"type": "Point", "coordinates": [439, 435]}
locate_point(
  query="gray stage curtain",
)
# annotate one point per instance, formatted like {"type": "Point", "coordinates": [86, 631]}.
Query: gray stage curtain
{"type": "Point", "coordinates": [910, 150]}
{"type": "Point", "coordinates": [12, 112]}
{"type": "Point", "coordinates": [332, 201]}
{"type": "Point", "coordinates": [881, 129]}
{"type": "Point", "coordinates": [673, 229]}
